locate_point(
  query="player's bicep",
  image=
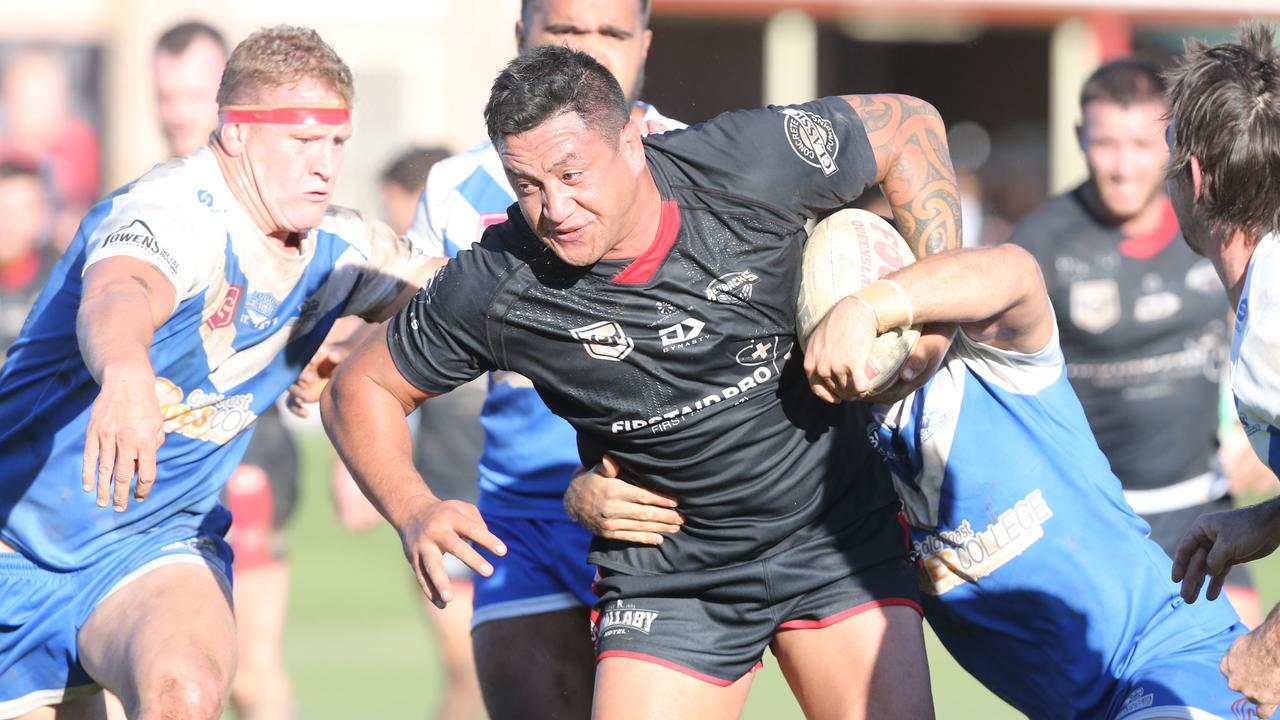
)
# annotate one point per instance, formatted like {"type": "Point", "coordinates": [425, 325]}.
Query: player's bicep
{"type": "Point", "coordinates": [372, 362]}
{"type": "Point", "coordinates": [913, 167]}
{"type": "Point", "coordinates": [129, 279]}
{"type": "Point", "coordinates": [1024, 320]}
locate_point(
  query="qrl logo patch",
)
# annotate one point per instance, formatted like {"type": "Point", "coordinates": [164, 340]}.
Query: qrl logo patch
{"type": "Point", "coordinates": [226, 312]}
{"type": "Point", "coordinates": [812, 138]}
{"type": "Point", "coordinates": [604, 340]}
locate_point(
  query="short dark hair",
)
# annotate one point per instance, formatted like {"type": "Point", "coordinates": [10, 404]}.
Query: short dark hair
{"type": "Point", "coordinates": [1127, 81]}
{"type": "Point", "coordinates": [1224, 104]}
{"type": "Point", "coordinates": [527, 6]}
{"type": "Point", "coordinates": [178, 38]}
{"type": "Point", "coordinates": [409, 169]}
{"type": "Point", "coordinates": [548, 81]}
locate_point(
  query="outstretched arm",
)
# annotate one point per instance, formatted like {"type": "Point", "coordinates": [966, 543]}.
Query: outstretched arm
{"type": "Point", "coordinates": [996, 295]}
{"type": "Point", "coordinates": [364, 409]}
{"type": "Point", "coordinates": [123, 302]}
{"type": "Point", "coordinates": [913, 168]}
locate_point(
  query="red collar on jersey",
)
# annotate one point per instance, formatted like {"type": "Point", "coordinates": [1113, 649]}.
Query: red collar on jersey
{"type": "Point", "coordinates": [286, 115]}
{"type": "Point", "coordinates": [1145, 247]}
{"type": "Point", "coordinates": [642, 268]}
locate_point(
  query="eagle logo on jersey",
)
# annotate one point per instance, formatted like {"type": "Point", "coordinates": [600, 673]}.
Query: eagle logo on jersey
{"type": "Point", "coordinates": [812, 138]}
{"type": "Point", "coordinates": [604, 340]}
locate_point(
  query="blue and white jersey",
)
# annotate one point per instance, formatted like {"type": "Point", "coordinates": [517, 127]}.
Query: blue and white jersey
{"type": "Point", "coordinates": [1255, 352]}
{"type": "Point", "coordinates": [1036, 575]}
{"type": "Point", "coordinates": [529, 453]}
{"type": "Point", "coordinates": [248, 316]}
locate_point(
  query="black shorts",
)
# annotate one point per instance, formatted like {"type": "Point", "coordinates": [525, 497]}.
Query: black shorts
{"type": "Point", "coordinates": [262, 493]}
{"type": "Point", "coordinates": [449, 440]}
{"type": "Point", "coordinates": [715, 624]}
{"type": "Point", "coordinates": [1168, 528]}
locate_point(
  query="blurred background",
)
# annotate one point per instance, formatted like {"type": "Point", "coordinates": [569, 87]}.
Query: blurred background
{"type": "Point", "coordinates": [78, 104]}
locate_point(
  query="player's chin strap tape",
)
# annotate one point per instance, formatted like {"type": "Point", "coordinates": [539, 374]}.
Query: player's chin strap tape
{"type": "Point", "coordinates": [889, 303]}
{"type": "Point", "coordinates": [285, 115]}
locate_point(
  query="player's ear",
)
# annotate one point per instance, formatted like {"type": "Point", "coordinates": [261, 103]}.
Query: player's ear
{"type": "Point", "coordinates": [630, 144]}
{"type": "Point", "coordinates": [231, 138]}
{"type": "Point", "coordinates": [1080, 137]}
{"type": "Point", "coordinates": [1197, 177]}
{"type": "Point", "coordinates": [519, 36]}
{"type": "Point", "coordinates": [645, 39]}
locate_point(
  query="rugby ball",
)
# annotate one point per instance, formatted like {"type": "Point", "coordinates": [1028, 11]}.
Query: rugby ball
{"type": "Point", "coordinates": [845, 252]}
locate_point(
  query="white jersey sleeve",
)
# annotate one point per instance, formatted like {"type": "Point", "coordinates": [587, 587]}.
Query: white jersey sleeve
{"type": "Point", "coordinates": [158, 229]}
{"type": "Point", "coordinates": [1014, 372]}
{"type": "Point", "coordinates": [1255, 352]}
{"type": "Point", "coordinates": [386, 261]}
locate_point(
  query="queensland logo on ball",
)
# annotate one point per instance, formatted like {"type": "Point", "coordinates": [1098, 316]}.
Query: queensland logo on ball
{"type": "Point", "coordinates": [812, 138]}
{"type": "Point", "coordinates": [604, 340]}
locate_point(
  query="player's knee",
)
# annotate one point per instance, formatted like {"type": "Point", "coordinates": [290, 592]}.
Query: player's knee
{"type": "Point", "coordinates": [186, 689]}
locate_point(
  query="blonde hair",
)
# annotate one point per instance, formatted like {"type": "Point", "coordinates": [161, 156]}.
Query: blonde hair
{"type": "Point", "coordinates": [282, 56]}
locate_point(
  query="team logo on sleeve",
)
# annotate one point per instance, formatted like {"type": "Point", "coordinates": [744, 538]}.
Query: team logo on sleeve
{"type": "Point", "coordinates": [604, 340]}
{"type": "Point", "coordinates": [812, 138]}
{"type": "Point", "coordinates": [137, 234]}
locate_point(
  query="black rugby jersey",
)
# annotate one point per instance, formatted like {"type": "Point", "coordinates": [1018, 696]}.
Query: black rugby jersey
{"type": "Point", "coordinates": [1143, 323]}
{"type": "Point", "coordinates": [681, 363]}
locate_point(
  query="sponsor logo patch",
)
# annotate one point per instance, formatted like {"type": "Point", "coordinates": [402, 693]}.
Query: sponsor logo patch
{"type": "Point", "coordinates": [137, 234]}
{"type": "Point", "coordinates": [203, 415]}
{"type": "Point", "coordinates": [732, 288]}
{"type": "Point", "coordinates": [622, 618]}
{"type": "Point", "coordinates": [604, 340]}
{"type": "Point", "coordinates": [953, 557]}
{"type": "Point", "coordinates": [812, 138]}
{"type": "Point", "coordinates": [683, 334]}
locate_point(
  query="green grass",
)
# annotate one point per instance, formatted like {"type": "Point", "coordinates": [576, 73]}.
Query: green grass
{"type": "Point", "coordinates": [358, 645]}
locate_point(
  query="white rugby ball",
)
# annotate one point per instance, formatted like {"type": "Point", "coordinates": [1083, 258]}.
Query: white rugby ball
{"type": "Point", "coordinates": [845, 252]}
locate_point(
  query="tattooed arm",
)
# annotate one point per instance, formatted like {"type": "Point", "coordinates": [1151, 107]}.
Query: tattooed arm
{"type": "Point", "coordinates": [913, 167]}
{"type": "Point", "coordinates": [123, 301]}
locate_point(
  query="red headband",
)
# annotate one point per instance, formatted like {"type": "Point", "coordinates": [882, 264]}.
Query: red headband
{"type": "Point", "coordinates": [300, 115]}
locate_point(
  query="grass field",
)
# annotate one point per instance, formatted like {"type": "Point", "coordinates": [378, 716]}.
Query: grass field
{"type": "Point", "coordinates": [358, 645]}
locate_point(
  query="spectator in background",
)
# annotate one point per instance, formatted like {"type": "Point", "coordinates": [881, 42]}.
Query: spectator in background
{"type": "Point", "coordinates": [38, 127]}
{"type": "Point", "coordinates": [262, 492]}
{"type": "Point", "coordinates": [403, 180]}
{"type": "Point", "coordinates": [1142, 319]}
{"type": "Point", "coordinates": [187, 66]}
{"type": "Point", "coordinates": [25, 258]}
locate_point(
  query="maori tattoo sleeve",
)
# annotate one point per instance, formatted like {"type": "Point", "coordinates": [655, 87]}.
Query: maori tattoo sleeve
{"type": "Point", "coordinates": [914, 169]}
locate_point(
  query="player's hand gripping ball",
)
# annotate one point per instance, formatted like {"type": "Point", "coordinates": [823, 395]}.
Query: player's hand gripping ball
{"type": "Point", "coordinates": [847, 251]}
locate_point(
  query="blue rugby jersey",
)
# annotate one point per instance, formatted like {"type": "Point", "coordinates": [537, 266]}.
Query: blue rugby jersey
{"type": "Point", "coordinates": [1037, 576]}
{"type": "Point", "coordinates": [248, 316]}
{"type": "Point", "coordinates": [529, 453]}
{"type": "Point", "coordinates": [1255, 352]}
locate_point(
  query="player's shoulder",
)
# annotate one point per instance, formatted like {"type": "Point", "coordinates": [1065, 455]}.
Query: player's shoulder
{"type": "Point", "coordinates": [185, 198]}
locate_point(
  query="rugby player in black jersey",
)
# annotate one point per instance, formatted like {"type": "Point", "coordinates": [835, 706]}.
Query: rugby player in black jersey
{"type": "Point", "coordinates": [647, 288]}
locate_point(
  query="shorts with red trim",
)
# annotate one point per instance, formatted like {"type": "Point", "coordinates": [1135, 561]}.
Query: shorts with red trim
{"type": "Point", "coordinates": [715, 624]}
